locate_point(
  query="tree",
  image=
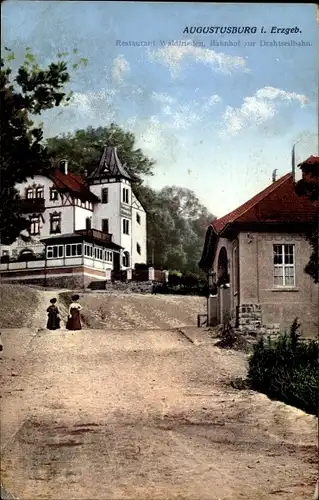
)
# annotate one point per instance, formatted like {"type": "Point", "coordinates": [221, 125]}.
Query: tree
{"type": "Point", "coordinates": [84, 147]}
{"type": "Point", "coordinates": [25, 94]}
{"type": "Point", "coordinates": [178, 224]}
{"type": "Point", "coordinates": [309, 186]}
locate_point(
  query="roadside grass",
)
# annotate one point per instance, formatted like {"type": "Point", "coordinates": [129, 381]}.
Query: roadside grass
{"type": "Point", "coordinates": [17, 305]}
{"type": "Point", "coordinates": [286, 369]}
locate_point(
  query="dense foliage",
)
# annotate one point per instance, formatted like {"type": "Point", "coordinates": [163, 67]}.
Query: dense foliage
{"type": "Point", "coordinates": [83, 149]}
{"type": "Point", "coordinates": [287, 369]}
{"type": "Point", "coordinates": [25, 93]}
{"type": "Point", "coordinates": [176, 220]}
{"type": "Point", "coordinates": [309, 186]}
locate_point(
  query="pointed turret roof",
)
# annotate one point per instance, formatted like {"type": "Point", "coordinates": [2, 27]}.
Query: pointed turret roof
{"type": "Point", "coordinates": [109, 166]}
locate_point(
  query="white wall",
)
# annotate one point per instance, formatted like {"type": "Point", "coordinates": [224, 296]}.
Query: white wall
{"type": "Point", "coordinates": [81, 214]}
{"type": "Point", "coordinates": [110, 210]}
{"type": "Point", "coordinates": [139, 236]}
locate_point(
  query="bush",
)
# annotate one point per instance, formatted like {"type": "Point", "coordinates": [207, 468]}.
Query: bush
{"type": "Point", "coordinates": [287, 369]}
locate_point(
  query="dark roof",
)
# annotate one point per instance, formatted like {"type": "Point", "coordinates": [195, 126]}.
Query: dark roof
{"type": "Point", "coordinates": [109, 166]}
{"type": "Point", "coordinates": [311, 160]}
{"type": "Point", "coordinates": [278, 203]}
{"type": "Point", "coordinates": [73, 183]}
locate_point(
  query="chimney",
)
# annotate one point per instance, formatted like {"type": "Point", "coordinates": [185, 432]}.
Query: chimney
{"type": "Point", "coordinates": [274, 175]}
{"type": "Point", "coordinates": [64, 166]}
{"type": "Point", "coordinates": [293, 163]}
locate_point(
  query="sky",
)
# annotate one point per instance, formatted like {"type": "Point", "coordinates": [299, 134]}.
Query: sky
{"type": "Point", "coordinates": [217, 119]}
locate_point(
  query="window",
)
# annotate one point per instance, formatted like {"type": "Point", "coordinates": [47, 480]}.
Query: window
{"type": "Point", "coordinates": [54, 195]}
{"type": "Point", "coordinates": [98, 253]}
{"type": "Point", "coordinates": [126, 226]}
{"type": "Point", "coordinates": [55, 223]}
{"type": "Point", "coordinates": [35, 225]}
{"type": "Point", "coordinates": [105, 225]}
{"type": "Point", "coordinates": [88, 223]}
{"type": "Point", "coordinates": [55, 252]}
{"type": "Point", "coordinates": [108, 256]}
{"type": "Point", "coordinates": [105, 195]}
{"type": "Point", "coordinates": [284, 265]}
{"type": "Point", "coordinates": [39, 192]}
{"type": "Point", "coordinates": [125, 195]}
{"type": "Point", "coordinates": [138, 218]}
{"type": "Point", "coordinates": [73, 250]}
{"type": "Point", "coordinates": [88, 250]}
{"type": "Point", "coordinates": [29, 193]}
{"type": "Point", "coordinates": [138, 248]}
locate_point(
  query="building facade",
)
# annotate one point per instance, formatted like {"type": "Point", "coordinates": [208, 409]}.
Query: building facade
{"type": "Point", "coordinates": [257, 255]}
{"type": "Point", "coordinates": [81, 225]}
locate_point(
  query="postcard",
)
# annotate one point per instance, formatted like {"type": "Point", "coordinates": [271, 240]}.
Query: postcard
{"type": "Point", "coordinates": [159, 250]}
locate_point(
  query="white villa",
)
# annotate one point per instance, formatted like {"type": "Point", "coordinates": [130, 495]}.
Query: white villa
{"type": "Point", "coordinates": [82, 227]}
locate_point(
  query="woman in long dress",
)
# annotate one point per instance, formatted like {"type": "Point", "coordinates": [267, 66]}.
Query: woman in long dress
{"type": "Point", "coordinates": [74, 320]}
{"type": "Point", "coordinates": [53, 322]}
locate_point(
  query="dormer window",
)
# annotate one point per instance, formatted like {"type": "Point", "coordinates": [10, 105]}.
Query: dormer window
{"type": "Point", "coordinates": [54, 195]}
{"type": "Point", "coordinates": [39, 192]}
{"type": "Point", "coordinates": [34, 192]}
{"type": "Point", "coordinates": [29, 193]}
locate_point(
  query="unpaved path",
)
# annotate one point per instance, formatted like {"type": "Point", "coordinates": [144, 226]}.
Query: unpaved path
{"type": "Point", "coordinates": [140, 413]}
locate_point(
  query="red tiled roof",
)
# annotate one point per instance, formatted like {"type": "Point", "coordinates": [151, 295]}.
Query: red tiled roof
{"type": "Point", "coordinates": [311, 160]}
{"type": "Point", "coordinates": [73, 183]}
{"type": "Point", "coordinates": [277, 203]}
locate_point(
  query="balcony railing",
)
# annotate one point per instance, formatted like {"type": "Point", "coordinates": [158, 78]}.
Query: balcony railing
{"type": "Point", "coordinates": [32, 205]}
{"type": "Point", "coordinates": [95, 234]}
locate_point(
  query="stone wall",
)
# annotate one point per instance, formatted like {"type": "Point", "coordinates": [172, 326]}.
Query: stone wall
{"type": "Point", "coordinates": [249, 317]}
{"type": "Point", "coordinates": [250, 320]}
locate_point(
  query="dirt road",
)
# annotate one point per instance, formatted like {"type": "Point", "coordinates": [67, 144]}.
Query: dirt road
{"type": "Point", "coordinates": [143, 413]}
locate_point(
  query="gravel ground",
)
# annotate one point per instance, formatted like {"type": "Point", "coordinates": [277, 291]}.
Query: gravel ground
{"type": "Point", "coordinates": [138, 411]}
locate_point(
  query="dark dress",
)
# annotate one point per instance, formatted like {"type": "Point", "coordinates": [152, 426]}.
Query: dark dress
{"type": "Point", "coordinates": [53, 318]}
{"type": "Point", "coordinates": [74, 322]}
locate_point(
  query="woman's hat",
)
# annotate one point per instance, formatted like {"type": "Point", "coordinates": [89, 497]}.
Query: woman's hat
{"type": "Point", "coordinates": [53, 301]}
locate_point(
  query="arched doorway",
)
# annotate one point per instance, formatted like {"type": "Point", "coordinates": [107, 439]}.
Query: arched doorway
{"type": "Point", "coordinates": [224, 304]}
{"type": "Point", "coordinates": [26, 254]}
{"type": "Point", "coordinates": [222, 267]}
